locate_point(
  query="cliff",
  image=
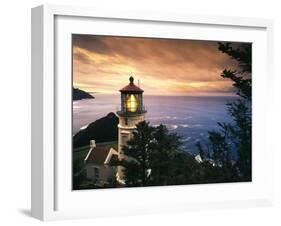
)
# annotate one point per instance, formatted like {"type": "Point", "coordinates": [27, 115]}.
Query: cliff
{"type": "Point", "coordinates": [102, 130]}
{"type": "Point", "coordinates": [78, 94]}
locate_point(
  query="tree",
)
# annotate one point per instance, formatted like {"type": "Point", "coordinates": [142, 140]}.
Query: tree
{"type": "Point", "coordinates": [221, 150]}
{"type": "Point", "coordinates": [164, 148]}
{"type": "Point", "coordinates": [238, 133]}
{"type": "Point", "coordinates": [242, 78]}
{"type": "Point", "coordinates": [154, 157]}
{"type": "Point", "coordinates": [241, 136]}
{"type": "Point", "coordinates": [138, 149]}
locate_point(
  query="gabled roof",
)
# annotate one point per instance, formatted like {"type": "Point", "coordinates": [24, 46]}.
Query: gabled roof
{"type": "Point", "coordinates": [101, 156]}
{"type": "Point", "coordinates": [131, 88]}
{"type": "Point", "coordinates": [112, 157]}
{"type": "Point", "coordinates": [97, 155]}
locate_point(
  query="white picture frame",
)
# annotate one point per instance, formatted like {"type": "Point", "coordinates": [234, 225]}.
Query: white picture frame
{"type": "Point", "coordinates": [52, 197]}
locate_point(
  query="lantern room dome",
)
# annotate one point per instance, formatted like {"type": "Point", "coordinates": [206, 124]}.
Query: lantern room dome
{"type": "Point", "coordinates": [131, 88]}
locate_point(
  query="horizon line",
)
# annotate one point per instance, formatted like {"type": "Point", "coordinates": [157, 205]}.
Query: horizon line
{"type": "Point", "coordinates": [179, 95]}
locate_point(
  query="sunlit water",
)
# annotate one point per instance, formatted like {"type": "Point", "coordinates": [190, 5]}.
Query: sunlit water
{"type": "Point", "coordinates": [190, 117]}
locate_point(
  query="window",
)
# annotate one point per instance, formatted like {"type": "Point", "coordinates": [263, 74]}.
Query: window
{"type": "Point", "coordinates": [96, 172]}
{"type": "Point", "coordinates": [125, 138]}
{"type": "Point", "coordinates": [131, 103]}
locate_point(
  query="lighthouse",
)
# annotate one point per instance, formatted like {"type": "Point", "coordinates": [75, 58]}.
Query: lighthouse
{"type": "Point", "coordinates": [131, 113]}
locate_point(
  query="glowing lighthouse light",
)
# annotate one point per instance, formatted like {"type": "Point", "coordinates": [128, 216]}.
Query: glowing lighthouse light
{"type": "Point", "coordinates": [131, 100]}
{"type": "Point", "coordinates": [132, 103]}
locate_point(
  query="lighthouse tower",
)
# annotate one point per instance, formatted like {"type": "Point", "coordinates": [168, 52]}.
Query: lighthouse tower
{"type": "Point", "coordinates": [132, 112]}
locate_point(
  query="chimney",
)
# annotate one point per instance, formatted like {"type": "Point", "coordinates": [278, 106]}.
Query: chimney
{"type": "Point", "coordinates": [93, 144]}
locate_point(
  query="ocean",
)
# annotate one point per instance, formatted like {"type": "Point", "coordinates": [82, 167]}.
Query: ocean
{"type": "Point", "coordinates": [189, 116]}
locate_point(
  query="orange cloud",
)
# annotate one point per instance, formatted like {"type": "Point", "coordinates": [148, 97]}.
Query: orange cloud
{"type": "Point", "coordinates": [163, 66]}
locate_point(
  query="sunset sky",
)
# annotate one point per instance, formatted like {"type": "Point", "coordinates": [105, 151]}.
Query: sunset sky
{"type": "Point", "coordinates": [163, 66]}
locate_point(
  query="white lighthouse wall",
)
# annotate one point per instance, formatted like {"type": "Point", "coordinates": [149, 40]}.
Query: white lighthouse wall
{"type": "Point", "coordinates": [125, 131]}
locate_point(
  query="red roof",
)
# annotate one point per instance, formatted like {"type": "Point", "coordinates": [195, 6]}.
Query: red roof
{"type": "Point", "coordinates": [98, 155]}
{"type": "Point", "coordinates": [131, 88]}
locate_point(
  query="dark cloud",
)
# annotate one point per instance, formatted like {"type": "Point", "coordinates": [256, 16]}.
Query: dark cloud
{"type": "Point", "coordinates": [91, 43]}
{"type": "Point", "coordinates": [173, 60]}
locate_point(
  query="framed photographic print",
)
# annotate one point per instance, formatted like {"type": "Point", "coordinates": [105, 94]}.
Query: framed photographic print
{"type": "Point", "coordinates": [141, 113]}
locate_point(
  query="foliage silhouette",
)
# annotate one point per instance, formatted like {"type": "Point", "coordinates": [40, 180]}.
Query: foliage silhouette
{"type": "Point", "coordinates": [238, 133]}
{"type": "Point", "coordinates": [156, 158]}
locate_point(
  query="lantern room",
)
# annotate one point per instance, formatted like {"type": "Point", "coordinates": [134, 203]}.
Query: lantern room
{"type": "Point", "coordinates": [131, 99]}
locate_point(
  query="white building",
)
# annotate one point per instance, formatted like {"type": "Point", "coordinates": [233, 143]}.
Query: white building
{"type": "Point", "coordinates": [98, 164]}
{"type": "Point", "coordinates": [98, 167]}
